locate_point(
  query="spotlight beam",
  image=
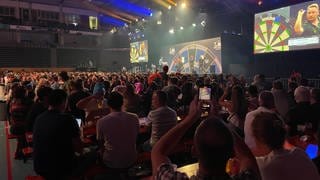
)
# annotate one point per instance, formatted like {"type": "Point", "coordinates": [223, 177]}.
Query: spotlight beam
{"type": "Point", "coordinates": [102, 10]}
{"type": "Point", "coordinates": [171, 2]}
{"type": "Point", "coordinates": [162, 3]}
{"type": "Point", "coordinates": [112, 21]}
{"type": "Point", "coordinates": [131, 8]}
{"type": "Point", "coordinates": [123, 14]}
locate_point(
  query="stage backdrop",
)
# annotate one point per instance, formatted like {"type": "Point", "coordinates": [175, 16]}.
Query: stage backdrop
{"type": "Point", "coordinates": [201, 57]}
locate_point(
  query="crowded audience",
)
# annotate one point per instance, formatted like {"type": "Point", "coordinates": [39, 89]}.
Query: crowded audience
{"type": "Point", "coordinates": [256, 130]}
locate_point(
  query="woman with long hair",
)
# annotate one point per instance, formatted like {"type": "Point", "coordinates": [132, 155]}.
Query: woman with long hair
{"type": "Point", "coordinates": [237, 108]}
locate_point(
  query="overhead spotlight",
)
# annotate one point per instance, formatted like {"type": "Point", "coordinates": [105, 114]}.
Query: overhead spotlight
{"type": "Point", "coordinates": [169, 7]}
{"type": "Point", "coordinates": [181, 28]}
{"type": "Point", "coordinates": [137, 19]}
{"type": "Point", "coordinates": [203, 23]}
{"type": "Point", "coordinates": [183, 5]}
{"type": "Point", "coordinates": [194, 25]}
{"type": "Point", "coordinates": [143, 20]}
{"type": "Point", "coordinates": [171, 31]}
{"type": "Point", "coordinates": [151, 14]}
{"type": "Point", "coordinates": [260, 3]}
{"type": "Point", "coordinates": [159, 22]}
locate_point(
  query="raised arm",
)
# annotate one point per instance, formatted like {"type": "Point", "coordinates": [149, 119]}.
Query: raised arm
{"type": "Point", "coordinates": [298, 25]}
{"type": "Point", "coordinates": [168, 142]}
{"type": "Point", "coordinates": [82, 104]}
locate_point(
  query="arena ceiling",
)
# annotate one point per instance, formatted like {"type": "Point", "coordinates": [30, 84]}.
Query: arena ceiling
{"type": "Point", "coordinates": [229, 5]}
{"type": "Point", "coordinates": [124, 10]}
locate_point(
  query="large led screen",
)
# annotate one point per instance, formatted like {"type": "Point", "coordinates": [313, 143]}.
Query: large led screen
{"type": "Point", "coordinates": [289, 28]}
{"type": "Point", "coordinates": [201, 57]}
{"type": "Point", "coordinates": [139, 52]}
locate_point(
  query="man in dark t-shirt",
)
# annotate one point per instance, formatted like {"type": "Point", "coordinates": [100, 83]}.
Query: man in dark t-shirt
{"type": "Point", "coordinates": [311, 26]}
{"type": "Point", "coordinates": [38, 107]}
{"type": "Point", "coordinates": [53, 137]}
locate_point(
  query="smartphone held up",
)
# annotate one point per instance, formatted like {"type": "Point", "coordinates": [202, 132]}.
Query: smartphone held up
{"type": "Point", "coordinates": [205, 98]}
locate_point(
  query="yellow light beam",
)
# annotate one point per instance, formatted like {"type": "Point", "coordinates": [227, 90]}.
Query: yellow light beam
{"type": "Point", "coordinates": [172, 2]}
{"type": "Point", "coordinates": [102, 10]}
{"type": "Point", "coordinates": [162, 3]}
{"type": "Point", "coordinates": [123, 14]}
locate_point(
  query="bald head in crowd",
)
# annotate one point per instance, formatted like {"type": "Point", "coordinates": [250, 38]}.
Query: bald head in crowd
{"type": "Point", "coordinates": [302, 94]}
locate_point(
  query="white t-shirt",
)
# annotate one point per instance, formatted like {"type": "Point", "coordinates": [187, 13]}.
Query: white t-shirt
{"type": "Point", "coordinates": [291, 164]}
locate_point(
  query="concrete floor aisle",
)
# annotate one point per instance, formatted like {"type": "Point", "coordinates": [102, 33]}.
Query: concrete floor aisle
{"type": "Point", "coordinates": [11, 169]}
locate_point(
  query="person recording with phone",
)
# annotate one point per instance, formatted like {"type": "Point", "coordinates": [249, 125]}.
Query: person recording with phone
{"type": "Point", "coordinates": [214, 145]}
{"type": "Point", "coordinates": [311, 26]}
{"type": "Point", "coordinates": [205, 98]}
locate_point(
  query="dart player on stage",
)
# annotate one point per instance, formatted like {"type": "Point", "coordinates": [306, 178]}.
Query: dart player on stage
{"type": "Point", "coordinates": [311, 25]}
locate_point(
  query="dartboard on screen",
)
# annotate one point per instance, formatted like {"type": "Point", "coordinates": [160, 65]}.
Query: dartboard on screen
{"type": "Point", "coordinates": [195, 59]}
{"type": "Point", "coordinates": [272, 33]}
{"type": "Point", "coordinates": [201, 57]}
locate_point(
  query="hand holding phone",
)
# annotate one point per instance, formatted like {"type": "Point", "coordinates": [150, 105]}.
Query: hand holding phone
{"type": "Point", "coordinates": [205, 94]}
{"type": "Point", "coordinates": [205, 98]}
{"type": "Point", "coordinates": [79, 122]}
